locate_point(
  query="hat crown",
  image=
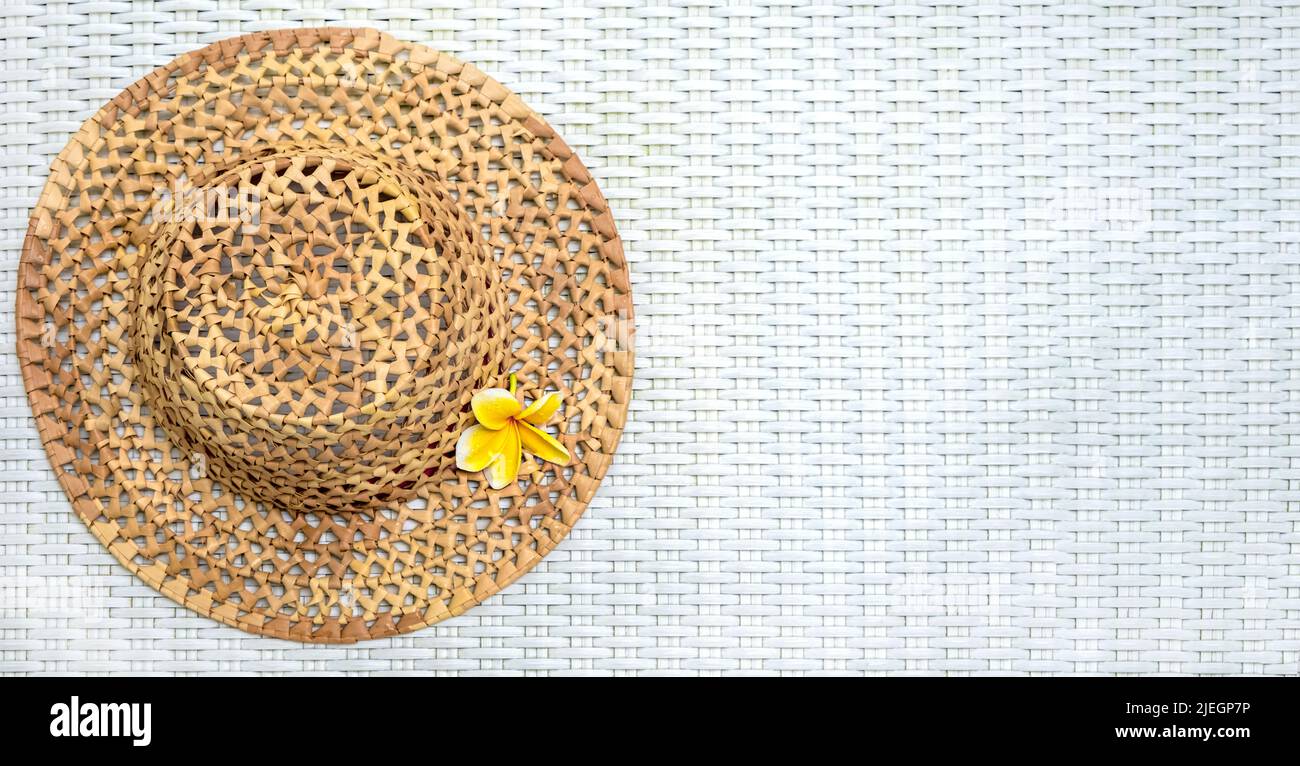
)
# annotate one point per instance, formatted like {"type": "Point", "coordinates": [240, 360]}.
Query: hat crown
{"type": "Point", "coordinates": [313, 321]}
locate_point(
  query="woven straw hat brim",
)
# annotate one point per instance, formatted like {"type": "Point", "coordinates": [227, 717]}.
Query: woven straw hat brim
{"type": "Point", "coordinates": [350, 95]}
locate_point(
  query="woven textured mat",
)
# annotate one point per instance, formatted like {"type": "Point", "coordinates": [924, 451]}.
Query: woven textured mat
{"type": "Point", "coordinates": [966, 340]}
{"type": "Point", "coordinates": [256, 410]}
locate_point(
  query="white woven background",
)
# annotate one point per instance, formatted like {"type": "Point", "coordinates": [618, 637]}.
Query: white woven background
{"type": "Point", "coordinates": [968, 339]}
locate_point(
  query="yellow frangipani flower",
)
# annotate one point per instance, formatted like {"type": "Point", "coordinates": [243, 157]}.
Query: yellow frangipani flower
{"type": "Point", "coordinates": [505, 430]}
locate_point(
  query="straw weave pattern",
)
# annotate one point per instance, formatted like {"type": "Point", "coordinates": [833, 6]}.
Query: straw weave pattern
{"type": "Point", "coordinates": [258, 414]}
{"type": "Point", "coordinates": [967, 340]}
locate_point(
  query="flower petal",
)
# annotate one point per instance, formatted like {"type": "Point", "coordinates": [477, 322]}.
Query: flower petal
{"type": "Point", "coordinates": [541, 410]}
{"type": "Point", "coordinates": [542, 444]}
{"type": "Point", "coordinates": [494, 406]}
{"type": "Point", "coordinates": [478, 447]}
{"type": "Point", "coordinates": [503, 471]}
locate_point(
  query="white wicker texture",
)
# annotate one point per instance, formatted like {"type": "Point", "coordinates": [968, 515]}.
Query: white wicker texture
{"type": "Point", "coordinates": [968, 339]}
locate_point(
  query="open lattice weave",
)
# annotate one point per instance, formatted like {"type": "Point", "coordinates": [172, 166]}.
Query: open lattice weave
{"type": "Point", "coordinates": [256, 297]}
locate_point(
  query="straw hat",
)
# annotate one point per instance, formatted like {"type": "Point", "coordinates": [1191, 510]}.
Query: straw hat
{"type": "Point", "coordinates": [327, 335]}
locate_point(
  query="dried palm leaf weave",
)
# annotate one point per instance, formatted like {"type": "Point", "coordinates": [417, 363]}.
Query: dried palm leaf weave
{"type": "Point", "coordinates": [256, 410]}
